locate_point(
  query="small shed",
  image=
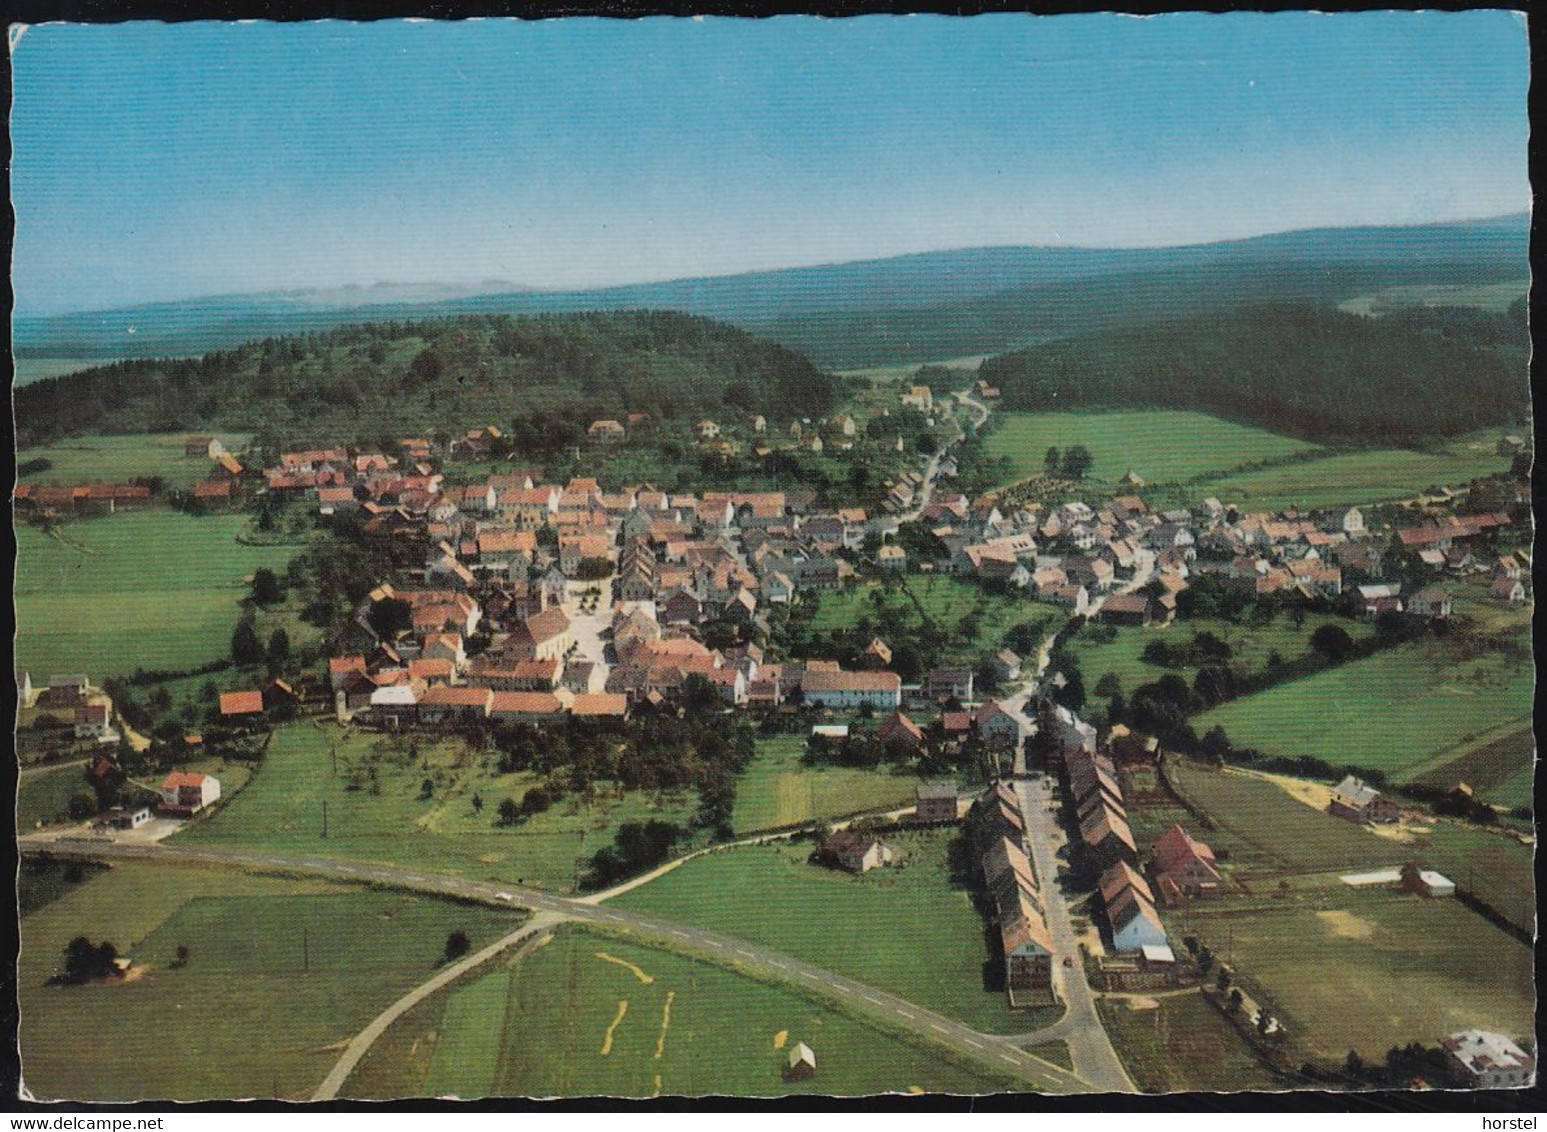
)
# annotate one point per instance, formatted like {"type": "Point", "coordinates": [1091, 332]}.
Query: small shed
{"type": "Point", "coordinates": [802, 1063]}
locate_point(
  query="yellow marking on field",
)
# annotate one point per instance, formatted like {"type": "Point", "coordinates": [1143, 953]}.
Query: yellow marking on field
{"type": "Point", "coordinates": [638, 974]}
{"type": "Point", "coordinates": [780, 1038]}
{"type": "Point", "coordinates": [660, 1042]}
{"type": "Point", "coordinates": [1346, 925]}
{"type": "Point", "coordinates": [915, 1090]}
{"type": "Point", "coordinates": [612, 1029]}
{"type": "Point", "coordinates": [657, 1086]}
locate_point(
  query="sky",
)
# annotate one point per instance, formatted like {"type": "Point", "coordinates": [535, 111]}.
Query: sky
{"type": "Point", "coordinates": [157, 162]}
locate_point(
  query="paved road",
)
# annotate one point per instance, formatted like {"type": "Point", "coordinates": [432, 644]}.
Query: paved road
{"type": "Point", "coordinates": [1090, 1049]}
{"type": "Point", "coordinates": [932, 469]}
{"type": "Point", "coordinates": [1002, 1055]}
{"type": "Point", "coordinates": [334, 1081]}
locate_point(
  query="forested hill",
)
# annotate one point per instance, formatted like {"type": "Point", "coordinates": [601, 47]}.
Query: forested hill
{"type": "Point", "coordinates": [442, 375]}
{"type": "Point", "coordinates": [1304, 371]}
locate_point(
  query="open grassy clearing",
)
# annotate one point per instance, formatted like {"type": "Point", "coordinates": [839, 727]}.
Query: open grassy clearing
{"type": "Point", "coordinates": [945, 601]}
{"type": "Point", "coordinates": [906, 929]}
{"type": "Point", "coordinates": [386, 819]}
{"type": "Point", "coordinates": [1484, 296]}
{"type": "Point", "coordinates": [1179, 1043]}
{"type": "Point", "coordinates": [45, 797]}
{"type": "Point", "coordinates": [1378, 475]}
{"type": "Point", "coordinates": [553, 1024]}
{"type": "Point", "coordinates": [116, 459]}
{"type": "Point", "coordinates": [778, 790]}
{"type": "Point", "coordinates": [277, 979]}
{"type": "Point", "coordinates": [1250, 645]}
{"type": "Point", "coordinates": [1269, 832]}
{"type": "Point", "coordinates": [1368, 970]}
{"type": "Point", "coordinates": [1158, 446]}
{"type": "Point", "coordinates": [150, 589]}
{"type": "Point", "coordinates": [1408, 711]}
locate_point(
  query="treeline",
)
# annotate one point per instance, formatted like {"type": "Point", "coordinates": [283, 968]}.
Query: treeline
{"type": "Point", "coordinates": [438, 375]}
{"type": "Point", "coordinates": [1305, 371]}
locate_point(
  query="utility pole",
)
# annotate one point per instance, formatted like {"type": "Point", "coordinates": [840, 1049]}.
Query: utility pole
{"type": "Point", "coordinates": [334, 752]}
{"type": "Point", "coordinates": [306, 952]}
{"type": "Point", "coordinates": [324, 817]}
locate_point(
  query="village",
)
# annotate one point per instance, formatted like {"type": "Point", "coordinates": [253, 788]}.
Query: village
{"type": "Point", "coordinates": [517, 603]}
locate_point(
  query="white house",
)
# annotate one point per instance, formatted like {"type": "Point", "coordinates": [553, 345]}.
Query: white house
{"type": "Point", "coordinates": [186, 793]}
{"type": "Point", "coordinates": [1489, 1061]}
{"type": "Point", "coordinates": [857, 852]}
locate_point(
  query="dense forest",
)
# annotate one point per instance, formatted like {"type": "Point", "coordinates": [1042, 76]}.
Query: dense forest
{"type": "Point", "coordinates": [1304, 371]}
{"type": "Point", "coordinates": [442, 375]}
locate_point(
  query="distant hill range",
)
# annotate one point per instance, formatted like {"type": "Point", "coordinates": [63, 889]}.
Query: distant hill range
{"type": "Point", "coordinates": [903, 309]}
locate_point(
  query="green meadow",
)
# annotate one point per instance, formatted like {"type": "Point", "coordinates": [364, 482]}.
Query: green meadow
{"type": "Point", "coordinates": [1362, 970]}
{"type": "Point", "coordinates": [778, 790]}
{"type": "Point", "coordinates": [1410, 712]}
{"type": "Point", "coordinates": [280, 974]}
{"type": "Point", "coordinates": [377, 809]}
{"type": "Point", "coordinates": [116, 459]}
{"type": "Point", "coordinates": [907, 928]}
{"type": "Point", "coordinates": [152, 589]}
{"type": "Point", "coordinates": [1378, 475]}
{"type": "Point", "coordinates": [590, 1015]}
{"type": "Point", "coordinates": [1159, 446]}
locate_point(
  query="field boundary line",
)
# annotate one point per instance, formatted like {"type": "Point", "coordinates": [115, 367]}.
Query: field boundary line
{"type": "Point", "coordinates": [540, 923]}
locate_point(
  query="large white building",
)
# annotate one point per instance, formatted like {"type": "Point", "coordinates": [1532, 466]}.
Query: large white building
{"type": "Point", "coordinates": [1489, 1061]}
{"type": "Point", "coordinates": [881, 690]}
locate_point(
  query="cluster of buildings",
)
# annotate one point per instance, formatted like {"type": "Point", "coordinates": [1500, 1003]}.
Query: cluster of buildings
{"type": "Point", "coordinates": [68, 701]}
{"type": "Point", "coordinates": [1010, 882]}
{"type": "Point", "coordinates": [1181, 868]}
{"type": "Point", "coordinates": [80, 500]}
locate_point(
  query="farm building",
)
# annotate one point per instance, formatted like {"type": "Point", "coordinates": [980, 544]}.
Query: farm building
{"type": "Point", "coordinates": [900, 729]}
{"type": "Point", "coordinates": [802, 1063]}
{"type": "Point", "coordinates": [125, 817]}
{"type": "Point", "coordinates": [1425, 882]}
{"type": "Point", "coordinates": [1354, 800]}
{"type": "Point", "coordinates": [1488, 1061]}
{"type": "Point", "coordinates": [852, 689]}
{"type": "Point", "coordinates": [1184, 867]}
{"type": "Point", "coordinates": [857, 852]}
{"type": "Point", "coordinates": [937, 801]}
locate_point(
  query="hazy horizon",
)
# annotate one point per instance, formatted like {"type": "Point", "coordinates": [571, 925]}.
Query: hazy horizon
{"type": "Point", "coordinates": [161, 163]}
{"type": "Point", "coordinates": [498, 286]}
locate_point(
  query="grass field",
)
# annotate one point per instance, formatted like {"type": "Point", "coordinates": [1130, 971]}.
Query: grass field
{"type": "Point", "coordinates": [1411, 712]}
{"type": "Point", "coordinates": [906, 929]}
{"type": "Point", "coordinates": [279, 976]}
{"type": "Point", "coordinates": [45, 797]}
{"type": "Point", "coordinates": [1269, 832]}
{"type": "Point", "coordinates": [554, 1025]}
{"type": "Point", "coordinates": [1181, 1044]}
{"type": "Point", "coordinates": [1378, 475]}
{"type": "Point", "coordinates": [1250, 646]}
{"type": "Point", "coordinates": [777, 790]}
{"type": "Point", "coordinates": [943, 599]}
{"type": "Point", "coordinates": [1369, 970]}
{"type": "Point", "coordinates": [146, 589]}
{"type": "Point", "coordinates": [1158, 446]}
{"type": "Point", "coordinates": [1485, 296]}
{"type": "Point", "coordinates": [389, 821]}
{"type": "Point", "coordinates": [115, 459]}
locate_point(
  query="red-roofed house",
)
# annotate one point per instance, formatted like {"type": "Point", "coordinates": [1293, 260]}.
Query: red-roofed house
{"type": "Point", "coordinates": [185, 794]}
{"type": "Point", "coordinates": [1183, 867]}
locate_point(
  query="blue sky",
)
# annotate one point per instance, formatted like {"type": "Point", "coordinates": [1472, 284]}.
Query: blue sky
{"type": "Point", "coordinates": [164, 161]}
